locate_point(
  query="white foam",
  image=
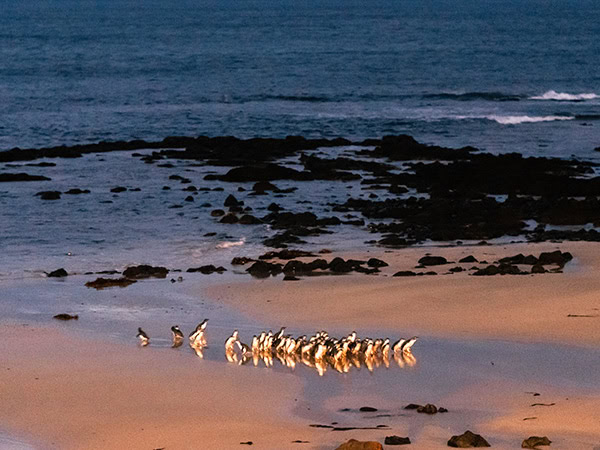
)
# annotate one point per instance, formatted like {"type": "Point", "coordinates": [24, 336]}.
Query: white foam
{"type": "Point", "coordinates": [553, 95]}
{"type": "Point", "coordinates": [516, 120]}
{"type": "Point", "coordinates": [230, 244]}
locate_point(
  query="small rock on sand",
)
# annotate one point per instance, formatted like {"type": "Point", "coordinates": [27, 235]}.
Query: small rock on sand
{"type": "Point", "coordinates": [396, 440]}
{"type": "Point", "coordinates": [534, 441]}
{"type": "Point", "coordinates": [66, 317]}
{"type": "Point", "coordinates": [353, 444]}
{"type": "Point", "coordinates": [468, 440]}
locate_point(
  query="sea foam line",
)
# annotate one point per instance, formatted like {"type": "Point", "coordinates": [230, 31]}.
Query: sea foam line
{"type": "Point", "coordinates": [553, 95]}
{"type": "Point", "coordinates": [516, 120]}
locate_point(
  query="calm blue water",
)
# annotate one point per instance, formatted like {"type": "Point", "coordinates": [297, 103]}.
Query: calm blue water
{"type": "Point", "coordinates": [501, 75]}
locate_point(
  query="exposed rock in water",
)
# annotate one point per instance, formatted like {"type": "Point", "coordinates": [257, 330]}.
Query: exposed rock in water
{"type": "Point", "coordinates": [468, 440]}
{"type": "Point", "coordinates": [207, 270]}
{"type": "Point", "coordinates": [66, 317]}
{"type": "Point", "coordinates": [145, 271]}
{"type": "Point", "coordinates": [229, 218]}
{"type": "Point", "coordinates": [396, 440]}
{"type": "Point", "coordinates": [48, 195]}
{"type": "Point", "coordinates": [232, 201]}
{"type": "Point", "coordinates": [534, 441]}
{"type": "Point", "coordinates": [77, 191]}
{"type": "Point", "coordinates": [353, 444]}
{"type": "Point", "coordinates": [248, 219]}
{"type": "Point", "coordinates": [11, 177]}
{"type": "Point", "coordinates": [217, 213]}
{"type": "Point", "coordinates": [468, 259]}
{"type": "Point", "coordinates": [102, 283]}
{"type": "Point", "coordinates": [241, 260]}
{"type": "Point", "coordinates": [58, 273]}
{"type": "Point", "coordinates": [118, 189]}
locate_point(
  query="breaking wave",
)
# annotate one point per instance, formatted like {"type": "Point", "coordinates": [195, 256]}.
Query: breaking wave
{"type": "Point", "coordinates": [563, 96]}
{"type": "Point", "coordinates": [516, 120]}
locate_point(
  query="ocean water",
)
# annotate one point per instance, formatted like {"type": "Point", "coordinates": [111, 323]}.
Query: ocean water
{"type": "Point", "coordinates": [500, 75]}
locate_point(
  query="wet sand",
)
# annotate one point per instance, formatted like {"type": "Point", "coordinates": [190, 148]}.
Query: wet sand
{"type": "Point", "coordinates": [528, 308]}
{"type": "Point", "coordinates": [487, 344]}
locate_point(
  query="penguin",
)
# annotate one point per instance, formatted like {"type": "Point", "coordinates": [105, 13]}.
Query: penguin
{"type": "Point", "coordinates": [230, 342]}
{"type": "Point", "coordinates": [406, 347]}
{"type": "Point", "coordinates": [199, 330]}
{"type": "Point", "coordinates": [144, 339]}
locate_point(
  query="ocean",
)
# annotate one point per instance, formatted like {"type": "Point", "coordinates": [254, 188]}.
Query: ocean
{"type": "Point", "coordinates": [503, 76]}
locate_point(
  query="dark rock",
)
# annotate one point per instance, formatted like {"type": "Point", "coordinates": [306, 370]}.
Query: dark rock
{"type": "Point", "coordinates": [468, 259]}
{"type": "Point", "coordinates": [455, 269]}
{"type": "Point", "coordinates": [118, 189]}
{"type": "Point", "coordinates": [190, 188]}
{"type": "Point", "coordinates": [427, 409]}
{"type": "Point", "coordinates": [58, 273]}
{"type": "Point", "coordinates": [432, 260]}
{"type": "Point", "coordinates": [325, 251]}
{"type": "Point", "coordinates": [396, 440]}
{"type": "Point", "coordinates": [145, 271]}
{"type": "Point", "coordinates": [66, 317]}
{"type": "Point", "coordinates": [286, 254]}
{"type": "Point", "coordinates": [534, 441]}
{"type": "Point", "coordinates": [10, 177]}
{"type": "Point", "coordinates": [412, 406]}
{"type": "Point", "coordinates": [262, 269]}
{"type": "Point", "coordinates": [207, 270]}
{"type": "Point", "coordinates": [556, 257]}
{"type": "Point", "coordinates": [467, 440]}
{"type": "Point", "coordinates": [299, 267]}
{"type": "Point", "coordinates": [248, 219]}
{"type": "Point", "coordinates": [229, 218]}
{"type": "Point", "coordinates": [246, 443]}
{"type": "Point", "coordinates": [353, 444]}
{"type": "Point", "coordinates": [189, 198]}
{"type": "Point", "coordinates": [232, 201]}
{"type": "Point", "coordinates": [538, 268]}
{"type": "Point", "coordinates": [241, 260]}
{"type": "Point", "coordinates": [274, 207]}
{"type": "Point", "coordinates": [442, 410]}
{"type": "Point", "coordinates": [102, 283]}
{"type": "Point", "coordinates": [367, 409]}
{"type": "Point", "coordinates": [49, 195]}
{"type": "Point", "coordinates": [405, 273]}
{"type": "Point", "coordinates": [374, 262]}
{"type": "Point", "coordinates": [501, 269]}
{"type": "Point", "coordinates": [217, 213]}
{"type": "Point", "coordinates": [77, 191]}
{"type": "Point", "coordinates": [263, 186]}
{"type": "Point", "coordinates": [290, 278]}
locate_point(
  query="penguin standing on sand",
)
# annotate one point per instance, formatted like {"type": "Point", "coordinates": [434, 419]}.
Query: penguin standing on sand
{"type": "Point", "coordinates": [177, 336]}
{"type": "Point", "coordinates": [230, 342]}
{"type": "Point", "coordinates": [144, 339]}
{"type": "Point", "coordinates": [199, 330]}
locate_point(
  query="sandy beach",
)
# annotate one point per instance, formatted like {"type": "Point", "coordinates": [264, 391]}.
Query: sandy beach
{"type": "Point", "coordinates": [64, 387]}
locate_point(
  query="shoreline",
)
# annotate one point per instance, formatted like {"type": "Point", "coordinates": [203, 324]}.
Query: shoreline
{"type": "Point", "coordinates": [161, 397]}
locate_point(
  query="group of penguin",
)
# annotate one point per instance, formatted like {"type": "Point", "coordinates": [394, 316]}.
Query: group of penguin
{"type": "Point", "coordinates": [319, 351]}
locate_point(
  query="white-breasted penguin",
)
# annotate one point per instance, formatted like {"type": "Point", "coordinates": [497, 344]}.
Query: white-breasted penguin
{"type": "Point", "coordinates": [230, 342]}
{"type": "Point", "coordinates": [406, 348]}
{"type": "Point", "coordinates": [199, 330]}
{"type": "Point", "coordinates": [144, 339]}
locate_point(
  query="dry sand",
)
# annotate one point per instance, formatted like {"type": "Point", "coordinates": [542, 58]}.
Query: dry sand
{"type": "Point", "coordinates": [63, 390]}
